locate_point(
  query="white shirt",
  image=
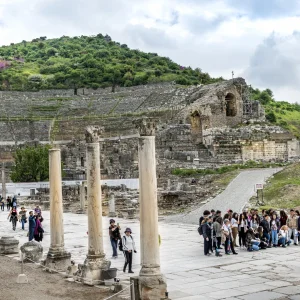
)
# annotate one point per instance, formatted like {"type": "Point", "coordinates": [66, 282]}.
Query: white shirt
{"type": "Point", "coordinates": [234, 222]}
{"type": "Point", "coordinates": [128, 243]}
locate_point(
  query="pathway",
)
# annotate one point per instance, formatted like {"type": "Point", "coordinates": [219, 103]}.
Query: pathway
{"type": "Point", "coordinates": [234, 197]}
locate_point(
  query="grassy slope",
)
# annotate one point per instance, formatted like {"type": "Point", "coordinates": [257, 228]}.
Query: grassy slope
{"type": "Point", "coordinates": [283, 189]}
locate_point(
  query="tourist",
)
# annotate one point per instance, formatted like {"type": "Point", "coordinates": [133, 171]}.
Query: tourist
{"type": "Point", "coordinates": [218, 214]}
{"type": "Point", "coordinates": [206, 213]}
{"type": "Point", "coordinates": [212, 213]}
{"type": "Point", "coordinates": [292, 223]}
{"type": "Point", "coordinates": [2, 203]}
{"type": "Point", "coordinates": [13, 217]}
{"type": "Point", "coordinates": [283, 236]}
{"type": "Point", "coordinates": [38, 230]}
{"type": "Point", "coordinates": [260, 235]}
{"type": "Point", "coordinates": [207, 234]}
{"type": "Point", "coordinates": [228, 237]}
{"type": "Point", "coordinates": [275, 225]}
{"type": "Point", "coordinates": [8, 203]}
{"type": "Point", "coordinates": [252, 243]}
{"type": "Point", "coordinates": [128, 247]}
{"type": "Point", "coordinates": [243, 224]}
{"type": "Point", "coordinates": [32, 225]}
{"type": "Point", "coordinates": [230, 213]}
{"type": "Point", "coordinates": [263, 213]}
{"type": "Point", "coordinates": [254, 223]}
{"type": "Point", "coordinates": [283, 218]}
{"type": "Point", "coordinates": [14, 201]}
{"type": "Point", "coordinates": [114, 234]}
{"type": "Point", "coordinates": [217, 229]}
{"type": "Point", "coordinates": [22, 216]}
{"type": "Point", "coordinates": [235, 227]}
{"type": "Point", "coordinates": [38, 211]}
{"type": "Point", "coordinates": [265, 224]}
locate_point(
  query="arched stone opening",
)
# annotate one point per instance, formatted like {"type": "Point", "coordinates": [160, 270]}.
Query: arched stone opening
{"type": "Point", "coordinates": [231, 109]}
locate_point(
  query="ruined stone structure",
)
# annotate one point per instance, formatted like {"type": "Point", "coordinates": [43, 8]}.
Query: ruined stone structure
{"type": "Point", "coordinates": [201, 126]}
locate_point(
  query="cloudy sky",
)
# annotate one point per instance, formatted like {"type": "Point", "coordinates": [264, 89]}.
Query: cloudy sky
{"type": "Point", "coordinates": [257, 39]}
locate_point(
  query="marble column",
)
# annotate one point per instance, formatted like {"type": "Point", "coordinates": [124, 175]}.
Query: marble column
{"type": "Point", "coordinates": [82, 196]}
{"type": "Point", "coordinates": [112, 206]}
{"type": "Point", "coordinates": [152, 283]}
{"type": "Point", "coordinates": [57, 258]}
{"type": "Point", "coordinates": [95, 263]}
{"type": "Point", "coordinates": [3, 182]}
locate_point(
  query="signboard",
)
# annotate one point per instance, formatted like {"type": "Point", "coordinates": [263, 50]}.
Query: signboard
{"type": "Point", "coordinates": [259, 186]}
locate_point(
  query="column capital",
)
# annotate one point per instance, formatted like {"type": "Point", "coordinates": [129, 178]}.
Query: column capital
{"type": "Point", "coordinates": [146, 126]}
{"type": "Point", "coordinates": [92, 133]}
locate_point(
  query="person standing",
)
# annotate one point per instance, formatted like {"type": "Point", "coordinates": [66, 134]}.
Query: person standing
{"type": "Point", "coordinates": [292, 223]}
{"type": "Point", "coordinates": [32, 225]}
{"type": "Point", "coordinates": [226, 229]}
{"type": "Point", "coordinates": [265, 224]}
{"type": "Point", "coordinates": [2, 203]}
{"type": "Point", "coordinates": [128, 248]}
{"type": "Point", "coordinates": [38, 211]}
{"type": "Point", "coordinates": [283, 218]}
{"type": "Point", "coordinates": [217, 228]}
{"type": "Point", "coordinates": [234, 227]}
{"type": "Point", "coordinates": [275, 226]}
{"type": "Point", "coordinates": [243, 224]}
{"type": "Point", "coordinates": [207, 235]}
{"type": "Point", "coordinates": [23, 218]}
{"type": "Point", "coordinates": [8, 203]}
{"type": "Point", "coordinates": [38, 230]}
{"type": "Point", "coordinates": [114, 234]}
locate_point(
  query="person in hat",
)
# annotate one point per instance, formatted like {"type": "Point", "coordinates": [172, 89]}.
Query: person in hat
{"type": "Point", "coordinates": [128, 248]}
{"type": "Point", "coordinates": [114, 234]}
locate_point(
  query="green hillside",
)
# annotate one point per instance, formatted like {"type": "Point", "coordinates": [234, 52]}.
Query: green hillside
{"type": "Point", "coordinates": [284, 114]}
{"type": "Point", "coordinates": [87, 61]}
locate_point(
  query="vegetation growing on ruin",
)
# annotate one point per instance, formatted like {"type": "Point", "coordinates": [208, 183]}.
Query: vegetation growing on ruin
{"type": "Point", "coordinates": [284, 114]}
{"type": "Point", "coordinates": [222, 170]}
{"type": "Point", "coordinates": [283, 189]}
{"type": "Point", "coordinates": [87, 62]}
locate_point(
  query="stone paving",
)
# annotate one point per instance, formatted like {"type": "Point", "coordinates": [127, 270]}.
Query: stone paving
{"type": "Point", "coordinates": [265, 275]}
{"type": "Point", "coordinates": [234, 197]}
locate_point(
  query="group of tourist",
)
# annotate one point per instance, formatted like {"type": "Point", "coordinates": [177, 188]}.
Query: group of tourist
{"type": "Point", "coordinates": [10, 202]}
{"type": "Point", "coordinates": [35, 219]}
{"type": "Point", "coordinates": [126, 243]}
{"type": "Point", "coordinates": [253, 230]}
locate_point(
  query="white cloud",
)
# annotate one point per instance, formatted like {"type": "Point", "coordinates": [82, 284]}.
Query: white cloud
{"type": "Point", "coordinates": [216, 35]}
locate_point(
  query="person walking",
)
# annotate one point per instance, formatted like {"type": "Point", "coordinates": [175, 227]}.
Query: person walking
{"type": "Point", "coordinates": [22, 216]}
{"type": "Point", "coordinates": [32, 225]}
{"type": "Point", "coordinates": [13, 217]}
{"type": "Point", "coordinates": [292, 223]}
{"type": "Point", "coordinates": [114, 234]}
{"type": "Point", "coordinates": [128, 248]}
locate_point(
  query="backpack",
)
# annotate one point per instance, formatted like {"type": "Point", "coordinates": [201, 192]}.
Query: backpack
{"type": "Point", "coordinates": [121, 244]}
{"type": "Point", "coordinates": [200, 230]}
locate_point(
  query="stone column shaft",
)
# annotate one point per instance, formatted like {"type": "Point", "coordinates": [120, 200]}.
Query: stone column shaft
{"type": "Point", "coordinates": [82, 196]}
{"type": "Point", "coordinates": [112, 206]}
{"type": "Point", "coordinates": [150, 259]}
{"type": "Point", "coordinates": [56, 205]}
{"type": "Point", "coordinates": [95, 239]}
{"type": "Point", "coordinates": [3, 182]}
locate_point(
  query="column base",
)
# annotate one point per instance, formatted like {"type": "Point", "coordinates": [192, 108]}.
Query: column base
{"type": "Point", "coordinates": [91, 272]}
{"type": "Point", "coordinates": [152, 287]}
{"type": "Point", "coordinates": [57, 261]}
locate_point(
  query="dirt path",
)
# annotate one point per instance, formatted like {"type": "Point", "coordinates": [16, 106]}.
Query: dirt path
{"type": "Point", "coordinates": [42, 285]}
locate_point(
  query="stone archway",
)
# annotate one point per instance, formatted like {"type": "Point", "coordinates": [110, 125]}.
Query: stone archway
{"type": "Point", "coordinates": [231, 107]}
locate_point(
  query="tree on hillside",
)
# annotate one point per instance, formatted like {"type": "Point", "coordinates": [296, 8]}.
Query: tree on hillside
{"type": "Point", "coordinates": [31, 164]}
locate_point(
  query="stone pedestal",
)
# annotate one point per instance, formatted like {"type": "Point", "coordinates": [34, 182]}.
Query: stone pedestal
{"type": "Point", "coordinates": [91, 272]}
{"type": "Point", "coordinates": [9, 245]}
{"type": "Point", "coordinates": [112, 206]}
{"type": "Point", "coordinates": [32, 251]}
{"type": "Point", "coordinates": [57, 258]}
{"type": "Point", "coordinates": [152, 284]}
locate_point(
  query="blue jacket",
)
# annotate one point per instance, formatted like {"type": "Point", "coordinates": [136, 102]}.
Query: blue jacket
{"type": "Point", "coordinates": [31, 222]}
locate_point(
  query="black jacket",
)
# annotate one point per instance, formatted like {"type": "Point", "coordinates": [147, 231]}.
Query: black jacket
{"type": "Point", "coordinates": [265, 225]}
{"type": "Point", "coordinates": [207, 230]}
